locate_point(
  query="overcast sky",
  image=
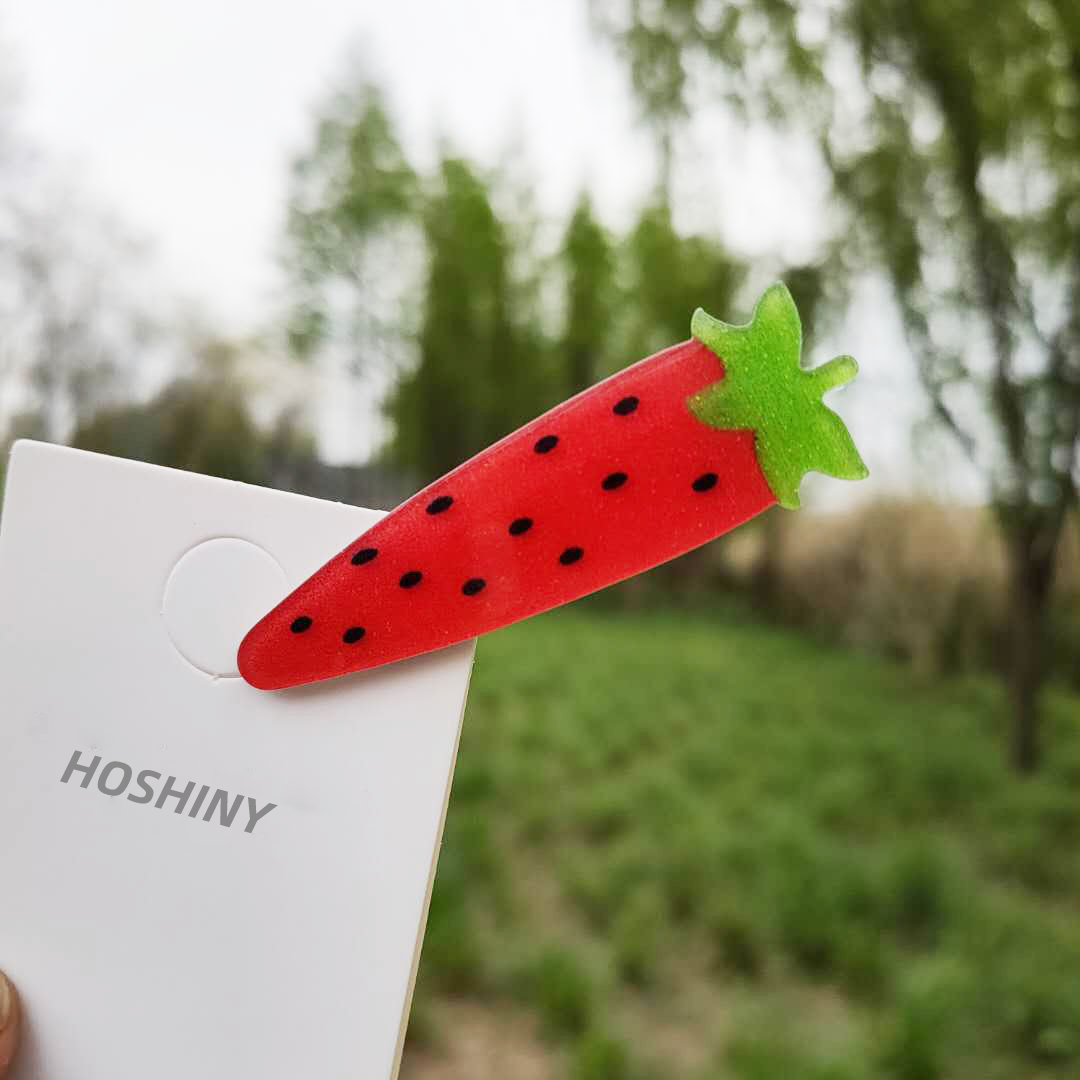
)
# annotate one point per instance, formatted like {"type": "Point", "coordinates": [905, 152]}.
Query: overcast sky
{"type": "Point", "coordinates": [183, 117]}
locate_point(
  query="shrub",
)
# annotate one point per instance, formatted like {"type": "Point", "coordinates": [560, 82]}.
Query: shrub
{"type": "Point", "coordinates": [604, 811]}
{"type": "Point", "coordinates": [1030, 994]}
{"type": "Point", "coordinates": [1019, 854]}
{"type": "Point", "coordinates": [423, 1030]}
{"type": "Point", "coordinates": [451, 954]}
{"type": "Point", "coordinates": [913, 1049]}
{"type": "Point", "coordinates": [600, 883]}
{"type": "Point", "coordinates": [688, 878]}
{"type": "Point", "coordinates": [1037, 829]}
{"type": "Point", "coordinates": [772, 1055]}
{"type": "Point", "coordinates": [474, 781]}
{"type": "Point", "coordinates": [915, 579]}
{"type": "Point", "coordinates": [808, 917]}
{"type": "Point", "coordinates": [862, 964]}
{"type": "Point", "coordinates": [562, 992]}
{"type": "Point", "coordinates": [636, 938]}
{"type": "Point", "coordinates": [917, 885]}
{"type": "Point", "coordinates": [600, 1057]}
{"type": "Point", "coordinates": [1043, 1018]}
{"type": "Point", "coordinates": [736, 942]}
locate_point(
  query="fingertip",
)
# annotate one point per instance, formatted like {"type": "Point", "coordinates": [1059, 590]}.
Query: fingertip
{"type": "Point", "coordinates": [9, 1024]}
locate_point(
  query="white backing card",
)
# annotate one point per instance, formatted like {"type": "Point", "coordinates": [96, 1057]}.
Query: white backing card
{"type": "Point", "coordinates": [150, 942]}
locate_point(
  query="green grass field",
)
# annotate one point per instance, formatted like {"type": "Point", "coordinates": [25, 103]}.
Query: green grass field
{"type": "Point", "coordinates": [683, 847]}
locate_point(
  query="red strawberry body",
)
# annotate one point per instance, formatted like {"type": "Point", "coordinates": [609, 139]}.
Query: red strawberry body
{"type": "Point", "coordinates": [634, 431]}
{"type": "Point", "coordinates": [616, 480]}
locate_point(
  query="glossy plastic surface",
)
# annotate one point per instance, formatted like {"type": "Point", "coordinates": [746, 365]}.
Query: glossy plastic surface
{"type": "Point", "coordinates": [606, 485]}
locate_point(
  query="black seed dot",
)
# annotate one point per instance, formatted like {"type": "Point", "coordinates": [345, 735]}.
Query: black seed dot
{"type": "Point", "coordinates": [364, 555]}
{"type": "Point", "coordinates": [548, 442]}
{"type": "Point", "coordinates": [705, 482]}
{"type": "Point", "coordinates": [437, 506]}
{"type": "Point", "coordinates": [410, 579]}
{"type": "Point", "coordinates": [625, 406]}
{"type": "Point", "coordinates": [520, 525]}
{"type": "Point", "coordinates": [300, 624]}
{"type": "Point", "coordinates": [571, 555]}
{"type": "Point", "coordinates": [613, 480]}
{"type": "Point", "coordinates": [473, 586]}
{"type": "Point", "coordinates": [353, 635]}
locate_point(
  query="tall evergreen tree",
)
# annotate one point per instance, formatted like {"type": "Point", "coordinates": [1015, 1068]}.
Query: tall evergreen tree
{"type": "Point", "coordinates": [588, 263]}
{"type": "Point", "coordinates": [668, 276]}
{"type": "Point", "coordinates": [352, 201]}
{"type": "Point", "coordinates": [478, 373]}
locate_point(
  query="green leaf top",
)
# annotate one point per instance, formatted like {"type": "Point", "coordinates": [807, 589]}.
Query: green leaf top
{"type": "Point", "coordinates": [765, 390]}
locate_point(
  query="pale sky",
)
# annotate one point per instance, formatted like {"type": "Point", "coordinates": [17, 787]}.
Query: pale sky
{"type": "Point", "coordinates": [183, 118]}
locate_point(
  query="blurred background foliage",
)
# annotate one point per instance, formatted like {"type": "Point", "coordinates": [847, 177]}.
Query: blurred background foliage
{"type": "Point", "coordinates": [953, 155]}
{"type": "Point", "coordinates": [804, 803]}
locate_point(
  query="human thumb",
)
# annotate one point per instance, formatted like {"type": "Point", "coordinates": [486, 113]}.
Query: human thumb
{"type": "Point", "coordinates": [9, 1024]}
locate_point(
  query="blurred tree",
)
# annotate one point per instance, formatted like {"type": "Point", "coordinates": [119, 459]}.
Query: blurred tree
{"type": "Point", "coordinates": [76, 328]}
{"type": "Point", "coordinates": [952, 132]}
{"type": "Point", "coordinates": [73, 328]}
{"type": "Point", "coordinates": [366, 237]}
{"type": "Point", "coordinates": [353, 196]}
{"type": "Point", "coordinates": [481, 368]}
{"type": "Point", "coordinates": [289, 445]}
{"type": "Point", "coordinates": [588, 262]}
{"type": "Point", "coordinates": [668, 276]}
{"type": "Point", "coordinates": [201, 423]}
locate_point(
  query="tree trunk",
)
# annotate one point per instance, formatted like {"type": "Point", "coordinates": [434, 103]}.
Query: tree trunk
{"type": "Point", "coordinates": [1031, 568]}
{"type": "Point", "coordinates": [580, 369]}
{"type": "Point", "coordinates": [765, 577]}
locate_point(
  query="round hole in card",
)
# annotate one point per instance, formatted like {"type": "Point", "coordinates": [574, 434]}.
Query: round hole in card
{"type": "Point", "coordinates": [216, 592]}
